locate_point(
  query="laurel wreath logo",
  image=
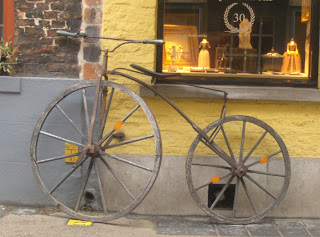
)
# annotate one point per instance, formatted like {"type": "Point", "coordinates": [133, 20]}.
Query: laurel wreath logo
{"type": "Point", "coordinates": [233, 29]}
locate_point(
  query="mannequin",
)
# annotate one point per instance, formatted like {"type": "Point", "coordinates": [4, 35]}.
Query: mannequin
{"type": "Point", "coordinates": [204, 56]}
{"type": "Point", "coordinates": [244, 35]}
{"type": "Point", "coordinates": [175, 55]}
{"type": "Point", "coordinates": [291, 59]}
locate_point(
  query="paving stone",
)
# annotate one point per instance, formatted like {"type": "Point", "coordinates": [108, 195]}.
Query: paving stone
{"type": "Point", "coordinates": [232, 230]}
{"type": "Point", "coordinates": [263, 229]}
{"type": "Point", "coordinates": [200, 227]}
{"type": "Point", "coordinates": [291, 228]}
{"type": "Point", "coordinates": [313, 226]}
{"type": "Point", "coordinates": [140, 217]}
{"type": "Point", "coordinates": [171, 226]}
{"type": "Point", "coordinates": [24, 211]}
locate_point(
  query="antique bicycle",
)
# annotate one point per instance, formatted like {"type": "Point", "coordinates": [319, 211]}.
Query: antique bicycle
{"type": "Point", "coordinates": [102, 125]}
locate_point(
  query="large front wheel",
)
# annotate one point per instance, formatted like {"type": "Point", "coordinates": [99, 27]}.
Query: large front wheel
{"type": "Point", "coordinates": [253, 185]}
{"type": "Point", "coordinates": [104, 179]}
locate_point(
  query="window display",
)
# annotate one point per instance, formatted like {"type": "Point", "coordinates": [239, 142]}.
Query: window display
{"type": "Point", "coordinates": [216, 38]}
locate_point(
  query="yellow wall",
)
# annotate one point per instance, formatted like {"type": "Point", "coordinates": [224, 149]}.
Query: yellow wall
{"type": "Point", "coordinates": [297, 123]}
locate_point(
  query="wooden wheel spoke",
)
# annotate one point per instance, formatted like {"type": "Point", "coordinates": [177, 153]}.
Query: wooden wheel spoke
{"type": "Point", "coordinates": [248, 195]}
{"type": "Point", "coordinates": [115, 176]}
{"type": "Point", "coordinates": [71, 122]}
{"type": "Point", "coordinates": [227, 142]}
{"type": "Point", "coordinates": [235, 198]}
{"type": "Point", "coordinates": [262, 188]}
{"type": "Point", "coordinates": [103, 201]}
{"type": "Point", "coordinates": [223, 177]}
{"type": "Point", "coordinates": [266, 173]}
{"type": "Point", "coordinates": [86, 112]}
{"type": "Point", "coordinates": [57, 158]}
{"type": "Point", "coordinates": [214, 166]}
{"type": "Point", "coordinates": [274, 154]}
{"type": "Point", "coordinates": [102, 140]}
{"type": "Point", "coordinates": [221, 192]}
{"type": "Point", "coordinates": [103, 154]}
{"type": "Point", "coordinates": [242, 141]}
{"type": "Point", "coordinates": [60, 138]}
{"type": "Point", "coordinates": [254, 147]}
{"type": "Point", "coordinates": [84, 184]}
{"type": "Point", "coordinates": [202, 186]}
{"type": "Point", "coordinates": [69, 173]}
{"type": "Point", "coordinates": [128, 142]}
{"type": "Point", "coordinates": [131, 113]}
{"type": "Point", "coordinates": [269, 156]}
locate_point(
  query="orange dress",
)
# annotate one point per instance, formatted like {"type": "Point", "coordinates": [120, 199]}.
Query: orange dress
{"type": "Point", "coordinates": [291, 59]}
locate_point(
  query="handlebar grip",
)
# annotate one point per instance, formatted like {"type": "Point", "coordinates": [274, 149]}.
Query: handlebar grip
{"type": "Point", "coordinates": [157, 41]}
{"type": "Point", "coordinates": [65, 33]}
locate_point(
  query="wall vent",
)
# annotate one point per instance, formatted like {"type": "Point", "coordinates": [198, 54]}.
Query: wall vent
{"type": "Point", "coordinates": [226, 201]}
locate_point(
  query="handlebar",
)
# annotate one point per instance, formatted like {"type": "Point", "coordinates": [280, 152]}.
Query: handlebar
{"type": "Point", "coordinates": [84, 34]}
{"type": "Point", "coordinates": [74, 35]}
{"type": "Point", "coordinates": [156, 41]}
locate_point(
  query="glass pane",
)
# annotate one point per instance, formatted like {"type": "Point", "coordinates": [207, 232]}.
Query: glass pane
{"type": "Point", "coordinates": [265, 38]}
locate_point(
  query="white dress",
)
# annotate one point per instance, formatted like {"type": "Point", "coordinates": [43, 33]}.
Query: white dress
{"type": "Point", "coordinates": [204, 56]}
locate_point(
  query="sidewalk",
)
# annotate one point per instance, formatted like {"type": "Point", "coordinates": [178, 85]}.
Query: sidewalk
{"type": "Point", "coordinates": [18, 221]}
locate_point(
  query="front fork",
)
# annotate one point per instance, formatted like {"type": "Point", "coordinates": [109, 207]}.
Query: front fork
{"type": "Point", "coordinates": [103, 97]}
{"type": "Point", "coordinates": [92, 149]}
{"type": "Point", "coordinates": [104, 92]}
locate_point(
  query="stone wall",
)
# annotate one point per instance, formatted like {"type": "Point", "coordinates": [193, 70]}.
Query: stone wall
{"type": "Point", "coordinates": [43, 52]}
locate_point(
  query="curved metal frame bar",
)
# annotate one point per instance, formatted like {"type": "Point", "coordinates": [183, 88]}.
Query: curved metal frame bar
{"type": "Point", "coordinates": [208, 139]}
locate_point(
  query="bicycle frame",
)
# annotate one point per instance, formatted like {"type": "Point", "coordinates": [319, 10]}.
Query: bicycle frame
{"type": "Point", "coordinates": [105, 72]}
{"type": "Point", "coordinates": [240, 169]}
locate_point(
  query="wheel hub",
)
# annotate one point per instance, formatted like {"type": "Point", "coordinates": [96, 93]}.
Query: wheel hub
{"type": "Point", "coordinates": [92, 150]}
{"type": "Point", "coordinates": [240, 170]}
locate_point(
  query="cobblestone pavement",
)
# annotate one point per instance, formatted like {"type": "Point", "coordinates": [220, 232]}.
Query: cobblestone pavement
{"type": "Point", "coordinates": [24, 221]}
{"type": "Point", "coordinates": [202, 226]}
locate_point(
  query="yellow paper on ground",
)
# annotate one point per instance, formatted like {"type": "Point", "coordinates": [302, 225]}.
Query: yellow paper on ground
{"type": "Point", "coordinates": [79, 223]}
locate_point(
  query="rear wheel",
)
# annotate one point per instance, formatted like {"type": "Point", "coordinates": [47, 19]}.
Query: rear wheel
{"type": "Point", "coordinates": [246, 192]}
{"type": "Point", "coordinates": [104, 180]}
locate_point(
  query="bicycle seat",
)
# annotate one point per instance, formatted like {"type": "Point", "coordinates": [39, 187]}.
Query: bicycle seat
{"type": "Point", "coordinates": [154, 74]}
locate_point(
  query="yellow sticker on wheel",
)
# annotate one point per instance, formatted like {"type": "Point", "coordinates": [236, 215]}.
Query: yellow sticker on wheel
{"type": "Point", "coordinates": [79, 223]}
{"type": "Point", "coordinates": [70, 149]}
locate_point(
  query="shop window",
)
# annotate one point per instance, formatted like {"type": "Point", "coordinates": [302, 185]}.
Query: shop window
{"type": "Point", "coordinates": [258, 42]}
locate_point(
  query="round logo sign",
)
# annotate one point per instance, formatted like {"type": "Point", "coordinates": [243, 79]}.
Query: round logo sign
{"type": "Point", "coordinates": [238, 17]}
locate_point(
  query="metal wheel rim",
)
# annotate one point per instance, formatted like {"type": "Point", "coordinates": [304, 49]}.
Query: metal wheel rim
{"type": "Point", "coordinates": [286, 182]}
{"type": "Point", "coordinates": [157, 162]}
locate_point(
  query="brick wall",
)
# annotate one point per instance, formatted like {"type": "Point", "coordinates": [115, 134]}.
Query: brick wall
{"type": "Point", "coordinates": [48, 55]}
{"type": "Point", "coordinates": [90, 49]}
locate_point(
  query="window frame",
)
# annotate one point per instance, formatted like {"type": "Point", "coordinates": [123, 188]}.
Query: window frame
{"type": "Point", "coordinates": [311, 82]}
{"type": "Point", "coordinates": [1, 18]}
{"type": "Point", "coordinates": [8, 20]}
